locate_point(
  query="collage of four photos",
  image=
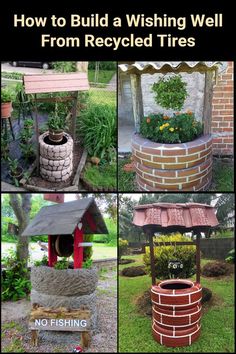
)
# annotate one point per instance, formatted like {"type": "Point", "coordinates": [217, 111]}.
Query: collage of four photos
{"type": "Point", "coordinates": [117, 206]}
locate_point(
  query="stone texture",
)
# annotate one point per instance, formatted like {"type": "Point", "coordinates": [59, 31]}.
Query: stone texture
{"type": "Point", "coordinates": [56, 161]}
{"type": "Point", "coordinates": [68, 282]}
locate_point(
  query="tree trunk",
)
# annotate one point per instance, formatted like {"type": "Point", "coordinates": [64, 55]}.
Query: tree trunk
{"type": "Point", "coordinates": [21, 205]}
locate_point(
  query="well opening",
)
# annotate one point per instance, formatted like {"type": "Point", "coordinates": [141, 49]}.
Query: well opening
{"type": "Point", "coordinates": [49, 142]}
{"type": "Point", "coordinates": [176, 286]}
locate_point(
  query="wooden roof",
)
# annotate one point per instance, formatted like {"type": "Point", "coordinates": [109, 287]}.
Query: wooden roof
{"type": "Point", "coordinates": [62, 219]}
{"type": "Point", "coordinates": [152, 67]}
{"type": "Point", "coordinates": [45, 83]}
{"type": "Point", "coordinates": [166, 216]}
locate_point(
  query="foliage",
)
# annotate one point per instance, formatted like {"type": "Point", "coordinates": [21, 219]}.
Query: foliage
{"type": "Point", "coordinates": [97, 127]}
{"type": "Point", "coordinates": [223, 176]}
{"type": "Point", "coordinates": [103, 176]}
{"type": "Point", "coordinates": [88, 264]}
{"type": "Point", "coordinates": [4, 146]}
{"type": "Point", "coordinates": [15, 282]}
{"type": "Point", "coordinates": [100, 238]}
{"type": "Point", "coordinates": [64, 66]}
{"type": "Point", "coordinates": [88, 251]}
{"type": "Point", "coordinates": [57, 119]}
{"type": "Point", "coordinates": [163, 254]}
{"type": "Point", "coordinates": [101, 77]}
{"type": "Point", "coordinates": [215, 269]}
{"type": "Point", "coordinates": [28, 151]}
{"type": "Point", "coordinates": [206, 295]}
{"type": "Point", "coordinates": [123, 247]}
{"type": "Point", "coordinates": [103, 65]}
{"type": "Point", "coordinates": [170, 92]}
{"type": "Point", "coordinates": [12, 75]}
{"type": "Point", "coordinates": [126, 181]}
{"type": "Point", "coordinates": [7, 94]}
{"type": "Point", "coordinates": [42, 262]}
{"type": "Point", "coordinates": [62, 264]}
{"type": "Point", "coordinates": [231, 256]}
{"type": "Point", "coordinates": [179, 128]}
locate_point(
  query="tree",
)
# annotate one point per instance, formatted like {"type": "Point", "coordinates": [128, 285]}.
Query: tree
{"type": "Point", "coordinates": [21, 204]}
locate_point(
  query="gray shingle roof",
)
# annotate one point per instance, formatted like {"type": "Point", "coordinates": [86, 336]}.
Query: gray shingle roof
{"type": "Point", "coordinates": [62, 219]}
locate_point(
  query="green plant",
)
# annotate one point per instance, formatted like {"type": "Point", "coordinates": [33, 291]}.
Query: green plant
{"type": "Point", "coordinates": [103, 176]}
{"type": "Point", "coordinates": [163, 254]}
{"type": "Point", "coordinates": [88, 251]}
{"type": "Point", "coordinates": [88, 264]}
{"type": "Point", "coordinates": [231, 256]}
{"type": "Point", "coordinates": [27, 151]}
{"type": "Point", "coordinates": [179, 128]}
{"type": "Point", "coordinates": [4, 147]}
{"type": "Point", "coordinates": [170, 92]}
{"type": "Point", "coordinates": [13, 165]}
{"type": "Point", "coordinates": [100, 238]}
{"type": "Point", "coordinates": [15, 280]}
{"type": "Point", "coordinates": [123, 247]}
{"type": "Point", "coordinates": [7, 95]}
{"type": "Point", "coordinates": [126, 180]}
{"type": "Point", "coordinates": [42, 262]}
{"type": "Point", "coordinates": [215, 269]}
{"type": "Point", "coordinates": [57, 119]}
{"type": "Point", "coordinates": [62, 264]}
{"type": "Point", "coordinates": [64, 66]}
{"type": "Point", "coordinates": [97, 128]}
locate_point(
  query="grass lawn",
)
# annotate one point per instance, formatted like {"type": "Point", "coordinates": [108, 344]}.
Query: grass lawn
{"type": "Point", "coordinates": [101, 251]}
{"type": "Point", "coordinates": [103, 96]}
{"type": "Point", "coordinates": [217, 333]}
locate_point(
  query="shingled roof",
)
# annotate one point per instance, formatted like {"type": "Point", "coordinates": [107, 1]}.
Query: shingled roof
{"type": "Point", "coordinates": [62, 219]}
{"type": "Point", "coordinates": [152, 67]}
{"type": "Point", "coordinates": [188, 216]}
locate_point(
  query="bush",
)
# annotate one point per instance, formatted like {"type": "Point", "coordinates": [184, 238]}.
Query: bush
{"type": "Point", "coordinates": [62, 264]}
{"type": "Point", "coordinates": [230, 256]}
{"type": "Point", "coordinates": [206, 295]}
{"type": "Point", "coordinates": [133, 271]}
{"type": "Point", "coordinates": [215, 269]}
{"type": "Point", "coordinates": [123, 247]}
{"type": "Point", "coordinates": [97, 128]}
{"type": "Point", "coordinates": [88, 251]}
{"type": "Point", "coordinates": [15, 279]}
{"type": "Point", "coordinates": [163, 254]}
{"type": "Point", "coordinates": [179, 128]}
{"type": "Point", "coordinates": [100, 239]}
{"type": "Point", "coordinates": [103, 65]}
{"type": "Point", "coordinates": [42, 262]}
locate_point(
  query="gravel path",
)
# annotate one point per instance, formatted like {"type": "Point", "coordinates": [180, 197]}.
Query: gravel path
{"type": "Point", "coordinates": [104, 339]}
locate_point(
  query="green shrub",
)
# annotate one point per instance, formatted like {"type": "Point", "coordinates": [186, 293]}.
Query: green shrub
{"type": "Point", "coordinates": [179, 128]}
{"type": "Point", "coordinates": [97, 128]}
{"type": "Point", "coordinates": [215, 269]}
{"type": "Point", "coordinates": [123, 247]}
{"type": "Point", "coordinates": [42, 262]}
{"type": "Point", "coordinates": [100, 238]}
{"type": "Point", "coordinates": [162, 255]}
{"type": "Point", "coordinates": [88, 251]}
{"type": "Point", "coordinates": [62, 264]}
{"type": "Point", "coordinates": [64, 66]}
{"type": "Point", "coordinates": [7, 94]}
{"type": "Point", "coordinates": [88, 264]}
{"type": "Point", "coordinates": [170, 92]}
{"type": "Point", "coordinates": [133, 271]}
{"type": "Point", "coordinates": [231, 256]}
{"type": "Point", "coordinates": [15, 279]}
{"type": "Point", "coordinates": [103, 65]}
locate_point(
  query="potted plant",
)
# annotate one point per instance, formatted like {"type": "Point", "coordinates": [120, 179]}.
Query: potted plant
{"type": "Point", "coordinates": [56, 125]}
{"type": "Point", "coordinates": [7, 97]}
{"type": "Point", "coordinates": [171, 153]}
{"type": "Point", "coordinates": [28, 151]}
{"type": "Point", "coordinates": [4, 147]}
{"type": "Point", "coordinates": [16, 171]}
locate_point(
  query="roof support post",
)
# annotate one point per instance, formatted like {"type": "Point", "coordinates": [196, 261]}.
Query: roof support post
{"type": "Point", "coordinates": [52, 256]}
{"type": "Point", "coordinates": [198, 257]}
{"type": "Point", "coordinates": [78, 251]}
{"type": "Point", "coordinates": [36, 126]}
{"type": "Point", "coordinates": [207, 105]}
{"type": "Point", "coordinates": [137, 100]}
{"type": "Point", "coordinates": [149, 232]}
{"type": "Point", "coordinates": [73, 114]}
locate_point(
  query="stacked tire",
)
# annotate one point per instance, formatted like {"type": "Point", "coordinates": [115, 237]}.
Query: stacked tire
{"type": "Point", "coordinates": [176, 312]}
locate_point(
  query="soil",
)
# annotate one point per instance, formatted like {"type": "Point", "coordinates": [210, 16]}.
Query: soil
{"type": "Point", "coordinates": [104, 338]}
{"type": "Point", "coordinates": [40, 182]}
{"type": "Point", "coordinates": [126, 261]}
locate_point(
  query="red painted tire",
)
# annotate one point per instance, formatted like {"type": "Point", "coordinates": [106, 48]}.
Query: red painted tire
{"type": "Point", "coordinates": [176, 294]}
{"type": "Point", "coordinates": [175, 338]}
{"type": "Point", "coordinates": [176, 317]}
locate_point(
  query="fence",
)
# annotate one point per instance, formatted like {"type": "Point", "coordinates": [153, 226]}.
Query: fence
{"type": "Point", "coordinates": [211, 248]}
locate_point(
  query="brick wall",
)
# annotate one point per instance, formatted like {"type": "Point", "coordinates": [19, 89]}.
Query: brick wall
{"type": "Point", "coordinates": [223, 113]}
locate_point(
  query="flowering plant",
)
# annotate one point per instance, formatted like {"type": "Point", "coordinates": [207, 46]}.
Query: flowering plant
{"type": "Point", "coordinates": [179, 128]}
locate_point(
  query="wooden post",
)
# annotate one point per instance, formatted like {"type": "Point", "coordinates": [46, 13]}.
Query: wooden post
{"type": "Point", "coordinates": [137, 100]}
{"type": "Point", "coordinates": [52, 257]}
{"type": "Point", "coordinates": [150, 234]}
{"type": "Point", "coordinates": [198, 257]}
{"type": "Point", "coordinates": [78, 251]}
{"type": "Point", "coordinates": [74, 112]}
{"type": "Point", "coordinates": [207, 105]}
{"type": "Point", "coordinates": [36, 126]}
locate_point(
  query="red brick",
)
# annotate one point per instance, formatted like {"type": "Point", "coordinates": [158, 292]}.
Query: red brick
{"type": "Point", "coordinates": [175, 180]}
{"type": "Point", "coordinates": [188, 158]}
{"type": "Point", "coordinates": [143, 156]}
{"type": "Point", "coordinates": [165, 173]}
{"type": "Point", "coordinates": [175, 167]}
{"type": "Point", "coordinates": [152, 178]}
{"type": "Point", "coordinates": [174, 152]}
{"type": "Point", "coordinates": [161, 159]}
{"type": "Point", "coordinates": [151, 164]}
{"type": "Point", "coordinates": [227, 112]}
{"type": "Point", "coordinates": [151, 151]}
{"type": "Point", "coordinates": [187, 172]}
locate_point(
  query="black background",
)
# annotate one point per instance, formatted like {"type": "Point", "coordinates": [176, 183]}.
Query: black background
{"type": "Point", "coordinates": [211, 43]}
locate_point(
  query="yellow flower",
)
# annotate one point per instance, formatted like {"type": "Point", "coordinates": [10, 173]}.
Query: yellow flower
{"type": "Point", "coordinates": [161, 127]}
{"type": "Point", "coordinates": [171, 129]}
{"type": "Point", "coordinates": [166, 124]}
